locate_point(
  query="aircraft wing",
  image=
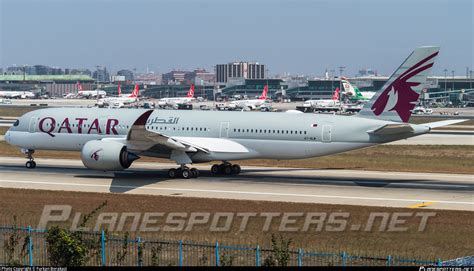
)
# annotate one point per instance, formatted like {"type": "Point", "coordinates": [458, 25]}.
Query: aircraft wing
{"type": "Point", "coordinates": [139, 138]}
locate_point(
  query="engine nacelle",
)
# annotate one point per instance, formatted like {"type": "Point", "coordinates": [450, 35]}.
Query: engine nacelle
{"type": "Point", "coordinates": [106, 155]}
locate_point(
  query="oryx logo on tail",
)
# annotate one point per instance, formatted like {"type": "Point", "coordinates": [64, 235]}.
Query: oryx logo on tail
{"type": "Point", "coordinates": [399, 95]}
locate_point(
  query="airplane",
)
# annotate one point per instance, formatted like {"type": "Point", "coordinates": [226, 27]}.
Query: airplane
{"type": "Point", "coordinates": [89, 93]}
{"type": "Point", "coordinates": [354, 93]}
{"type": "Point", "coordinates": [178, 100]}
{"type": "Point", "coordinates": [252, 103]}
{"type": "Point", "coordinates": [17, 94]}
{"type": "Point", "coordinates": [70, 96]}
{"type": "Point", "coordinates": [122, 99]}
{"type": "Point", "coordinates": [111, 140]}
{"type": "Point", "coordinates": [333, 102]}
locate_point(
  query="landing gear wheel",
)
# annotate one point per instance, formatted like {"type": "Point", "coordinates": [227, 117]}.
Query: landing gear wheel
{"type": "Point", "coordinates": [215, 169]}
{"type": "Point", "coordinates": [227, 169]}
{"type": "Point", "coordinates": [30, 164]}
{"type": "Point", "coordinates": [236, 169]}
{"type": "Point", "coordinates": [194, 172]}
{"type": "Point", "coordinates": [185, 173]}
{"type": "Point", "coordinates": [172, 173]}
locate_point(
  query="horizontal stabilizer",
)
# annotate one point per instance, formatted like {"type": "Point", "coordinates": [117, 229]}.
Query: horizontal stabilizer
{"type": "Point", "coordinates": [443, 123]}
{"type": "Point", "coordinates": [392, 129]}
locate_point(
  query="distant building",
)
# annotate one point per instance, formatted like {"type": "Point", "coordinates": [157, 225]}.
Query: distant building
{"type": "Point", "coordinates": [53, 85]}
{"type": "Point", "coordinates": [366, 72]}
{"type": "Point", "coordinates": [46, 70]}
{"type": "Point", "coordinates": [253, 88]}
{"type": "Point", "coordinates": [438, 88]}
{"type": "Point", "coordinates": [101, 75]}
{"type": "Point", "coordinates": [238, 70]}
{"type": "Point", "coordinates": [167, 91]}
{"type": "Point", "coordinates": [127, 74]}
{"type": "Point", "coordinates": [175, 77]}
{"type": "Point", "coordinates": [14, 70]}
{"type": "Point", "coordinates": [80, 72]}
{"type": "Point", "coordinates": [200, 76]}
{"type": "Point", "coordinates": [148, 79]}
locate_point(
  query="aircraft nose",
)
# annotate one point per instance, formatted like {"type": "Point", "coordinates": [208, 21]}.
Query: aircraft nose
{"type": "Point", "coordinates": [7, 137]}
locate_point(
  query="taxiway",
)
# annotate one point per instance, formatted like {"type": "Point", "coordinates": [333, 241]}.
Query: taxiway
{"type": "Point", "coordinates": [352, 187]}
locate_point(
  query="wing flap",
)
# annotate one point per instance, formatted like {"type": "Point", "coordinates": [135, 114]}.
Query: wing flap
{"type": "Point", "coordinates": [214, 144]}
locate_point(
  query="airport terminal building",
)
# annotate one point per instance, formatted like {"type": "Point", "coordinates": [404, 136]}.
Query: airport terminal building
{"type": "Point", "coordinates": [53, 85]}
{"type": "Point", "coordinates": [451, 89]}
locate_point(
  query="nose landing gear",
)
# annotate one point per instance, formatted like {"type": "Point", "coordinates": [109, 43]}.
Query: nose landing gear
{"type": "Point", "coordinates": [29, 155]}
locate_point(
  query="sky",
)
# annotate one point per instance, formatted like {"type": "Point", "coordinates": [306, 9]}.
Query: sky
{"type": "Point", "coordinates": [296, 37]}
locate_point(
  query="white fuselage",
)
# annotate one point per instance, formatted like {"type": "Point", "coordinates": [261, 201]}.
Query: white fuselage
{"type": "Point", "coordinates": [17, 94]}
{"type": "Point", "coordinates": [121, 100]}
{"type": "Point", "coordinates": [91, 93]}
{"type": "Point", "coordinates": [255, 103]}
{"type": "Point", "coordinates": [323, 103]}
{"type": "Point", "coordinates": [264, 135]}
{"type": "Point", "coordinates": [174, 101]}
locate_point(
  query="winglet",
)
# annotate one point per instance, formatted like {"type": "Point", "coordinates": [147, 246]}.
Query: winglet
{"type": "Point", "coordinates": [143, 118]}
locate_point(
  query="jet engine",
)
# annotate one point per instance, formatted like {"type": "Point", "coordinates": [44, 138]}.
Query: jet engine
{"type": "Point", "coordinates": [107, 155]}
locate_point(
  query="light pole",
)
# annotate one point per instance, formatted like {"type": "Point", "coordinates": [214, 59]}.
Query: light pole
{"type": "Point", "coordinates": [97, 87]}
{"type": "Point", "coordinates": [470, 77]}
{"type": "Point", "coordinates": [341, 69]}
{"type": "Point", "coordinates": [332, 79]}
{"type": "Point", "coordinates": [445, 80]}
{"type": "Point", "coordinates": [452, 85]}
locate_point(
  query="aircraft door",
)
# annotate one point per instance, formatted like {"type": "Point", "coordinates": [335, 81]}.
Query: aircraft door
{"type": "Point", "coordinates": [224, 130]}
{"type": "Point", "coordinates": [326, 136]}
{"type": "Point", "coordinates": [33, 124]}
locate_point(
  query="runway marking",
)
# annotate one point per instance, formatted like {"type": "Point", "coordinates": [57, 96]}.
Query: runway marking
{"type": "Point", "coordinates": [423, 204]}
{"type": "Point", "coordinates": [240, 192]}
{"type": "Point", "coordinates": [388, 183]}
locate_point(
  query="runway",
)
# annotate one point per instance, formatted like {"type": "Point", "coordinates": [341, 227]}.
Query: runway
{"type": "Point", "coordinates": [352, 187]}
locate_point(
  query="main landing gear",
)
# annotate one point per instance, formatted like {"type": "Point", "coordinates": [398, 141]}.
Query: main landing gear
{"type": "Point", "coordinates": [29, 155]}
{"type": "Point", "coordinates": [183, 172]}
{"type": "Point", "coordinates": [225, 168]}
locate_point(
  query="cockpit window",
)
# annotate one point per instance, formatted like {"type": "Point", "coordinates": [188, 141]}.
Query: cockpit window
{"type": "Point", "coordinates": [17, 122]}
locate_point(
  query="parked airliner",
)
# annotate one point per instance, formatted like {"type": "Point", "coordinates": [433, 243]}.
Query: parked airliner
{"type": "Point", "coordinates": [111, 140]}
{"type": "Point", "coordinates": [178, 100]}
{"type": "Point", "coordinates": [252, 103]}
{"type": "Point", "coordinates": [89, 93]}
{"type": "Point", "coordinates": [17, 94]}
{"type": "Point", "coordinates": [122, 99]}
{"type": "Point", "coordinates": [333, 102]}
